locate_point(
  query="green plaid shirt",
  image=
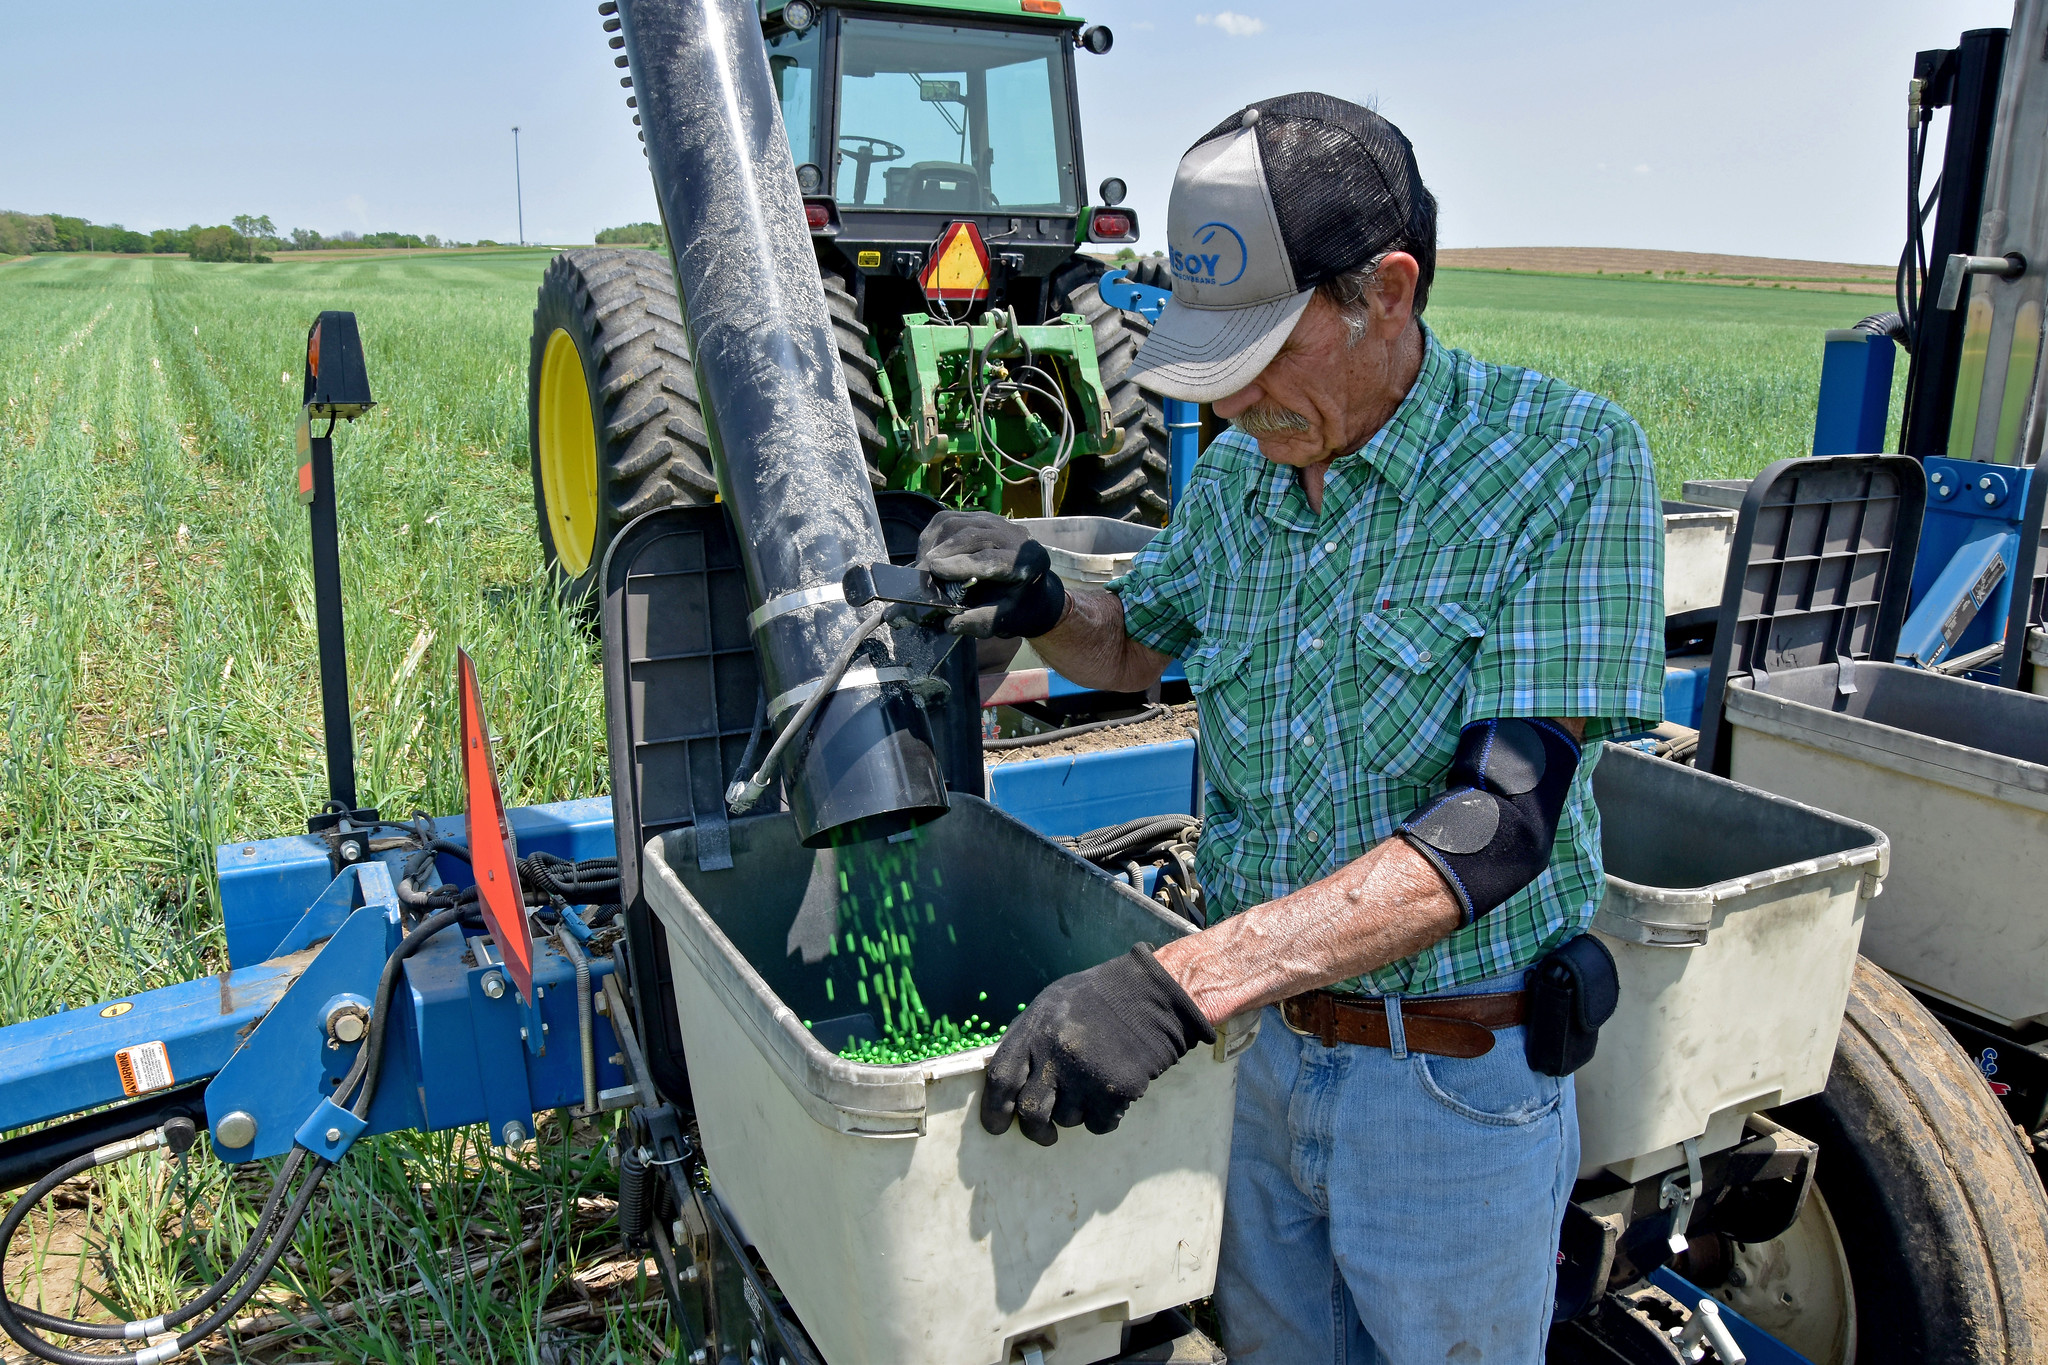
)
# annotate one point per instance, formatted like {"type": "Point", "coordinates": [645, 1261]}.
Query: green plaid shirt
{"type": "Point", "coordinates": [1495, 550]}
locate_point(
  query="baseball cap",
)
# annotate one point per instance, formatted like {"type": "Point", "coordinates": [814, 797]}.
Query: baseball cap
{"type": "Point", "coordinates": [1273, 201]}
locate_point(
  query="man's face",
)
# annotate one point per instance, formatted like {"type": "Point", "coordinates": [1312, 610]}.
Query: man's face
{"type": "Point", "coordinates": [1322, 396]}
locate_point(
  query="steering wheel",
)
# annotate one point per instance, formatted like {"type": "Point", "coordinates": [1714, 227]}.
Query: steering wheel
{"type": "Point", "coordinates": [870, 151]}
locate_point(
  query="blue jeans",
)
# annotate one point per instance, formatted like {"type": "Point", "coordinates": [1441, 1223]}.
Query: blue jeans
{"type": "Point", "coordinates": [1386, 1206]}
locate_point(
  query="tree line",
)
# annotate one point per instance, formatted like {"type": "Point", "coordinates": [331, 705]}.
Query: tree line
{"type": "Point", "coordinates": [247, 237]}
{"type": "Point", "coordinates": [633, 234]}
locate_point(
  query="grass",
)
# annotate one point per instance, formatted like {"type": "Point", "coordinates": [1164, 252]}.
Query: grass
{"type": "Point", "coordinates": [159, 695]}
{"type": "Point", "coordinates": [1723, 381]}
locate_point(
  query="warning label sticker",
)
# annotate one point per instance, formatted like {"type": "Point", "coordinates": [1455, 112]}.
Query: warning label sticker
{"type": "Point", "coordinates": [144, 1067]}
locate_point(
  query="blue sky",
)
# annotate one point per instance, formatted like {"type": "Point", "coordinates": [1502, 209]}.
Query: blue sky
{"type": "Point", "coordinates": [1769, 129]}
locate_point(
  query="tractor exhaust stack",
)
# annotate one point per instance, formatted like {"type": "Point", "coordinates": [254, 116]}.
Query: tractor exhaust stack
{"type": "Point", "coordinates": [787, 454]}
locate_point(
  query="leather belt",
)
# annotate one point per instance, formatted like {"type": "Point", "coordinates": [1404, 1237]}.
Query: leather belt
{"type": "Point", "coordinates": [1442, 1026]}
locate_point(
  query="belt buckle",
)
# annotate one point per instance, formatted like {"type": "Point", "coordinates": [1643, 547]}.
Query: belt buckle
{"type": "Point", "coordinates": [1321, 1009]}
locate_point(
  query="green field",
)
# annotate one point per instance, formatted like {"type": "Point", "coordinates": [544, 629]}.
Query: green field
{"type": "Point", "coordinates": [1723, 380]}
{"type": "Point", "coordinates": [158, 692]}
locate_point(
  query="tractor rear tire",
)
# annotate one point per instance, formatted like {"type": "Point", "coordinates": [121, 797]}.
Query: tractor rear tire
{"type": "Point", "coordinates": [1940, 1215]}
{"type": "Point", "coordinates": [613, 419]}
{"type": "Point", "coordinates": [626, 435]}
{"type": "Point", "coordinates": [1134, 484]}
{"type": "Point", "coordinates": [862, 385]}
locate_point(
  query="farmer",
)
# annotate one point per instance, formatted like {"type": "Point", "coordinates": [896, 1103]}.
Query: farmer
{"type": "Point", "coordinates": [1410, 591]}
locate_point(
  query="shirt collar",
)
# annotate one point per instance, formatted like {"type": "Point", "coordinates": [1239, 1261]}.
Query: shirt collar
{"type": "Point", "coordinates": [1398, 450]}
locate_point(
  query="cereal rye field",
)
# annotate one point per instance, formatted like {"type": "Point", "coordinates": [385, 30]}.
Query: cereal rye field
{"type": "Point", "coordinates": [158, 695]}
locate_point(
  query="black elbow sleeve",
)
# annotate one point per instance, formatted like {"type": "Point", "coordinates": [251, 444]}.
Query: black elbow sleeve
{"type": "Point", "coordinates": [1491, 832]}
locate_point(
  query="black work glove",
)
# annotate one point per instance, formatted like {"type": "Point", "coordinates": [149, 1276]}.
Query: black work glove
{"type": "Point", "coordinates": [1014, 592]}
{"type": "Point", "coordinates": [1088, 1046]}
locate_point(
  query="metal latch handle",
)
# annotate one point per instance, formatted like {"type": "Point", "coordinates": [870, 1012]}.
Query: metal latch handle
{"type": "Point", "coordinates": [2010, 266]}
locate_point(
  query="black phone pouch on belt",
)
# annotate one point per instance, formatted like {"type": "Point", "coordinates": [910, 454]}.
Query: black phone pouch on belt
{"type": "Point", "coordinates": [1572, 992]}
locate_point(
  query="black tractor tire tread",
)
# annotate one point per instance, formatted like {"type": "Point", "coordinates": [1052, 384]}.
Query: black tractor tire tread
{"type": "Point", "coordinates": [625, 376]}
{"type": "Point", "coordinates": [862, 385]}
{"type": "Point", "coordinates": [1941, 1214]}
{"type": "Point", "coordinates": [1150, 270]}
{"type": "Point", "coordinates": [620, 305]}
{"type": "Point", "coordinates": [613, 344]}
{"type": "Point", "coordinates": [623, 429]}
{"type": "Point", "coordinates": [1135, 483]}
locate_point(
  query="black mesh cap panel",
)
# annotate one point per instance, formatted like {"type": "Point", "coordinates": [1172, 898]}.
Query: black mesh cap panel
{"type": "Point", "coordinates": [1344, 184]}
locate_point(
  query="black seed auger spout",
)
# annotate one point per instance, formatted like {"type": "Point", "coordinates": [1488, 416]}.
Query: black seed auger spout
{"type": "Point", "coordinates": [781, 427]}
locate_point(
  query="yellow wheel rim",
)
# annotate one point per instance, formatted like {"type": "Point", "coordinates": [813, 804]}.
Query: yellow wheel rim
{"type": "Point", "coordinates": [568, 455]}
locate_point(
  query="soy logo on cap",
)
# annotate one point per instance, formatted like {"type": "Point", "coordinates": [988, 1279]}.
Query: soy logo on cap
{"type": "Point", "coordinates": [1216, 256]}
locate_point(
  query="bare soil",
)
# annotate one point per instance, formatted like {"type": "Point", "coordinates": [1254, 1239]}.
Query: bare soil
{"type": "Point", "coordinates": [52, 1268]}
{"type": "Point", "coordinates": [1177, 723]}
{"type": "Point", "coordinates": [1705, 267]}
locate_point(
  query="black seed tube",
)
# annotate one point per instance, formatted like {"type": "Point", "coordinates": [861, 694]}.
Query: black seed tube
{"type": "Point", "coordinates": [788, 457]}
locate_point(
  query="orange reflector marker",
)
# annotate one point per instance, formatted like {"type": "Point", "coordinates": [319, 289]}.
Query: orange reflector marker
{"type": "Point", "coordinates": [958, 269]}
{"type": "Point", "coordinates": [313, 352]}
{"type": "Point", "coordinates": [493, 853]}
{"type": "Point", "coordinates": [1041, 6]}
{"type": "Point", "coordinates": [305, 449]}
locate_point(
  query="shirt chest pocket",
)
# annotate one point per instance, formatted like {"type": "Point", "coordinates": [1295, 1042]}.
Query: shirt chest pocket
{"type": "Point", "coordinates": [1408, 671]}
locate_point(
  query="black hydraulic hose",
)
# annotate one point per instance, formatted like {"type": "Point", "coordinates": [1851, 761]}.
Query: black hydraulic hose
{"type": "Point", "coordinates": [229, 1278]}
{"type": "Point", "coordinates": [260, 1272]}
{"type": "Point", "coordinates": [10, 1320]}
{"type": "Point", "coordinates": [1116, 843]}
{"type": "Point", "coordinates": [371, 1058]}
{"type": "Point", "coordinates": [593, 881]}
{"type": "Point", "coordinates": [547, 878]}
{"type": "Point", "coordinates": [259, 1256]}
{"type": "Point", "coordinates": [251, 1268]}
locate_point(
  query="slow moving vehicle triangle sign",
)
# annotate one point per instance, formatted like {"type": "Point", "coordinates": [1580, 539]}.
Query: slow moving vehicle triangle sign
{"type": "Point", "coordinates": [958, 270]}
{"type": "Point", "coordinates": [493, 853]}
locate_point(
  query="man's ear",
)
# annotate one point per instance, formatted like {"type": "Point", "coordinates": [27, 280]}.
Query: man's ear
{"type": "Point", "coordinates": [1394, 302]}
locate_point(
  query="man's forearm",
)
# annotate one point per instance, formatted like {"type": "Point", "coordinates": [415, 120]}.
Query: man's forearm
{"type": "Point", "coordinates": [1385, 906]}
{"type": "Point", "coordinates": [1089, 646]}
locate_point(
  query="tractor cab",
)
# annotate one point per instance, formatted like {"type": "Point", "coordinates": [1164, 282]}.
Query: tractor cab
{"type": "Point", "coordinates": [936, 145]}
{"type": "Point", "coordinates": [906, 119]}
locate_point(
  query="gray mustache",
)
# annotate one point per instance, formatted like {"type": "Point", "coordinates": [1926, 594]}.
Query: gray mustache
{"type": "Point", "coordinates": [1267, 421]}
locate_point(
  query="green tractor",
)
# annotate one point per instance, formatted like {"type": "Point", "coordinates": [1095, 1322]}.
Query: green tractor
{"type": "Point", "coordinates": [938, 149]}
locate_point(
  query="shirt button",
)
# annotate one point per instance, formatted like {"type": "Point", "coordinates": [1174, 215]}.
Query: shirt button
{"type": "Point", "coordinates": [1330, 547]}
{"type": "Point", "coordinates": [1312, 836]}
{"type": "Point", "coordinates": [1317, 643]}
{"type": "Point", "coordinates": [1423, 657]}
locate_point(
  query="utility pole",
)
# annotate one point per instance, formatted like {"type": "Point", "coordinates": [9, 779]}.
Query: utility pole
{"type": "Point", "coordinates": [518, 190]}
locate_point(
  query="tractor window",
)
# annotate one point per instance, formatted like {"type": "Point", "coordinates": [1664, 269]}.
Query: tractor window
{"type": "Point", "coordinates": [793, 61]}
{"type": "Point", "coordinates": [945, 119]}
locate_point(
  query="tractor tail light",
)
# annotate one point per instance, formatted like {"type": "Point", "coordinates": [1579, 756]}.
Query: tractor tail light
{"type": "Point", "coordinates": [821, 214]}
{"type": "Point", "coordinates": [1113, 226]}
